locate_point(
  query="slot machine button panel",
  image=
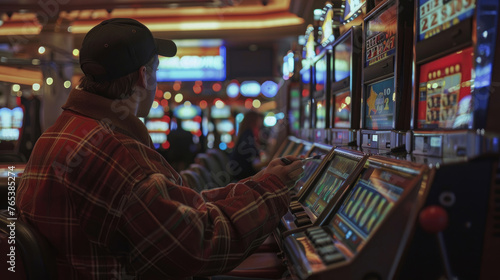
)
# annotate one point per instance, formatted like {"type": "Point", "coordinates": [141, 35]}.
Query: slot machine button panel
{"type": "Point", "coordinates": [302, 222]}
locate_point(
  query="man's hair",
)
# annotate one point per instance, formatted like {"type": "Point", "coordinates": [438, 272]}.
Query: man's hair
{"type": "Point", "coordinates": [120, 88]}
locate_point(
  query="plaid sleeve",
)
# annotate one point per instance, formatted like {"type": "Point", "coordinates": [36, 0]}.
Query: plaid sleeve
{"type": "Point", "coordinates": [174, 232]}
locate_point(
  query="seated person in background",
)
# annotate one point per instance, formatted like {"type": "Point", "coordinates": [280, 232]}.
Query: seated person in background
{"type": "Point", "coordinates": [246, 152]}
{"type": "Point", "coordinates": [109, 205]}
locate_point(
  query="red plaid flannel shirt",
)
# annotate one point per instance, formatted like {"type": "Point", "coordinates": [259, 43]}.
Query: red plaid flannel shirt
{"type": "Point", "coordinates": [112, 208]}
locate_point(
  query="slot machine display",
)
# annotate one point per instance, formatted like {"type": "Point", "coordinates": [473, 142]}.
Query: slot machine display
{"type": "Point", "coordinates": [315, 153]}
{"type": "Point", "coordinates": [321, 192]}
{"type": "Point", "coordinates": [222, 129]}
{"type": "Point", "coordinates": [158, 125]}
{"type": "Point", "coordinates": [11, 124]}
{"type": "Point", "coordinates": [386, 95]}
{"type": "Point", "coordinates": [371, 219]}
{"type": "Point", "coordinates": [346, 87]}
{"type": "Point", "coordinates": [189, 119]}
{"type": "Point", "coordinates": [453, 79]}
{"type": "Point", "coordinates": [307, 84]}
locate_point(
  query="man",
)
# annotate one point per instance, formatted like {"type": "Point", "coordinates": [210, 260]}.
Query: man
{"type": "Point", "coordinates": [109, 205]}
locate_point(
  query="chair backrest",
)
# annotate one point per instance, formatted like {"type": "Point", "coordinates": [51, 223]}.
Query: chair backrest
{"type": "Point", "coordinates": [32, 251]}
{"type": "Point", "coordinates": [209, 162]}
{"type": "Point", "coordinates": [208, 180]}
{"type": "Point", "coordinates": [193, 180]}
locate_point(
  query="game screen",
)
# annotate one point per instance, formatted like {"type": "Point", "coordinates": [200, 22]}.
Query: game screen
{"type": "Point", "coordinates": [445, 92]}
{"type": "Point", "coordinates": [342, 114]}
{"type": "Point", "coordinates": [381, 36]}
{"type": "Point", "coordinates": [342, 60]}
{"type": "Point", "coordinates": [351, 7]}
{"type": "Point", "coordinates": [329, 183]}
{"type": "Point", "coordinates": [379, 108]}
{"type": "Point", "coordinates": [310, 167]}
{"type": "Point", "coordinates": [11, 123]}
{"type": "Point", "coordinates": [321, 113]}
{"type": "Point", "coordinates": [435, 16]}
{"type": "Point", "coordinates": [374, 194]}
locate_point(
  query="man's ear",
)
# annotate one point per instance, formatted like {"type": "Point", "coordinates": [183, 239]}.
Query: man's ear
{"type": "Point", "coordinates": [143, 77]}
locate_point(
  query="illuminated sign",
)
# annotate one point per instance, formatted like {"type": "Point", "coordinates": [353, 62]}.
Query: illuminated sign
{"type": "Point", "coordinates": [381, 36]}
{"type": "Point", "coordinates": [193, 67]}
{"type": "Point", "coordinates": [438, 15]}
{"type": "Point", "coordinates": [327, 26]}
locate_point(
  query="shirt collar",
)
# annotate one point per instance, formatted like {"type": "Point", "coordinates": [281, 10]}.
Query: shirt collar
{"type": "Point", "coordinates": [113, 112]}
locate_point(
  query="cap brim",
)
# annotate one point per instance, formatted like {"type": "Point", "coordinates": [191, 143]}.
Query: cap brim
{"type": "Point", "coordinates": [165, 47]}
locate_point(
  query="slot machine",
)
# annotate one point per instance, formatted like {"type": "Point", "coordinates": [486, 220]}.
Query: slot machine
{"type": "Point", "coordinates": [322, 68]}
{"type": "Point", "coordinates": [386, 74]}
{"type": "Point", "coordinates": [346, 88]}
{"type": "Point", "coordinates": [321, 191]}
{"type": "Point", "coordinates": [454, 104]}
{"type": "Point", "coordinates": [158, 125]}
{"type": "Point", "coordinates": [307, 84]}
{"type": "Point", "coordinates": [454, 58]}
{"type": "Point", "coordinates": [361, 235]}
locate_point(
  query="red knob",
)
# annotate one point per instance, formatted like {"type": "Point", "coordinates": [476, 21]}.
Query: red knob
{"type": "Point", "coordinates": [433, 219]}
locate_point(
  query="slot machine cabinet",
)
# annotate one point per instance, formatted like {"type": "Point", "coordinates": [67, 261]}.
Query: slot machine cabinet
{"type": "Point", "coordinates": [321, 190]}
{"type": "Point", "coordinates": [454, 82]}
{"type": "Point", "coordinates": [322, 68]}
{"type": "Point", "coordinates": [386, 93]}
{"type": "Point", "coordinates": [362, 236]}
{"type": "Point", "coordinates": [307, 84]}
{"type": "Point", "coordinates": [346, 87]}
{"type": "Point", "coordinates": [456, 234]}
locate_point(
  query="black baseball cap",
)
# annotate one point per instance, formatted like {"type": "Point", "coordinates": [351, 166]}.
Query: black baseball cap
{"type": "Point", "coordinates": [119, 46]}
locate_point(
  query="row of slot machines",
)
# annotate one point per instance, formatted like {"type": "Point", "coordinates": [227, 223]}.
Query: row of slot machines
{"type": "Point", "coordinates": [356, 215]}
{"type": "Point", "coordinates": [399, 76]}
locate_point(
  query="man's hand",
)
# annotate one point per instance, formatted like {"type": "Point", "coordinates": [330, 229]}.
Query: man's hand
{"type": "Point", "coordinates": [289, 169]}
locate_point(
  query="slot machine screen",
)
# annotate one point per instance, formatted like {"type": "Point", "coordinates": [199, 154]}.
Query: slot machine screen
{"type": "Point", "coordinates": [435, 16]}
{"type": "Point", "coordinates": [380, 34]}
{"type": "Point", "coordinates": [352, 8]}
{"type": "Point", "coordinates": [342, 110]}
{"type": "Point", "coordinates": [342, 60]}
{"type": "Point", "coordinates": [11, 123]}
{"type": "Point", "coordinates": [367, 204]}
{"type": "Point", "coordinates": [445, 92]}
{"type": "Point", "coordinates": [329, 183]}
{"type": "Point", "coordinates": [310, 167]}
{"type": "Point", "coordinates": [379, 107]}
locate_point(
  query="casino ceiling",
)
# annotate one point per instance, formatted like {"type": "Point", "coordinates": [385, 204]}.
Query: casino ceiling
{"type": "Point", "coordinates": [237, 22]}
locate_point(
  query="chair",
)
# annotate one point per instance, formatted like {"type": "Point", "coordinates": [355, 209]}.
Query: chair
{"type": "Point", "coordinates": [209, 162]}
{"type": "Point", "coordinates": [32, 251]}
{"type": "Point", "coordinates": [205, 174]}
{"type": "Point", "coordinates": [12, 157]}
{"type": "Point", "coordinates": [193, 180]}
